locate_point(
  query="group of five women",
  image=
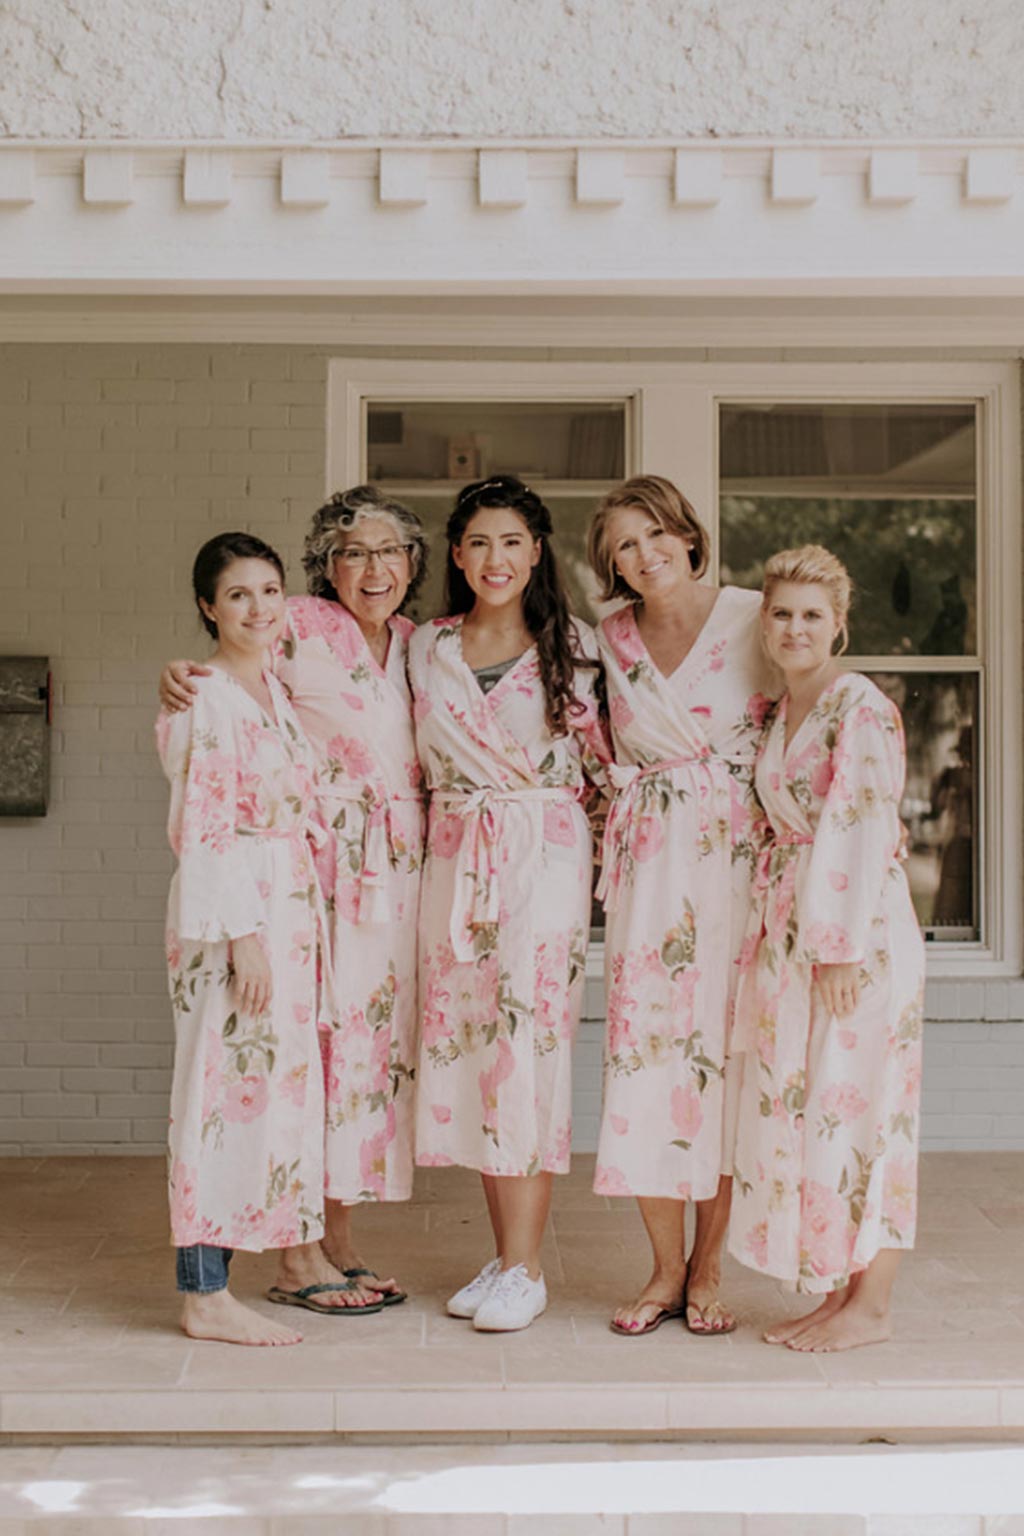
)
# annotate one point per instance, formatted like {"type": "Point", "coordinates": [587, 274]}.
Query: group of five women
{"type": "Point", "coordinates": [358, 987]}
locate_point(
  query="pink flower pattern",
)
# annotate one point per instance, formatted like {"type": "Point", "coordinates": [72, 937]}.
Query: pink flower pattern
{"type": "Point", "coordinates": [678, 855]}
{"type": "Point", "coordinates": [826, 1151]}
{"type": "Point", "coordinates": [247, 1092]}
{"type": "Point", "coordinates": [358, 717]}
{"type": "Point", "coordinates": [504, 909]}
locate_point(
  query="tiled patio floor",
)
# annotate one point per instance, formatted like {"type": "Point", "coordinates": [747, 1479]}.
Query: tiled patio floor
{"type": "Point", "coordinates": [89, 1344]}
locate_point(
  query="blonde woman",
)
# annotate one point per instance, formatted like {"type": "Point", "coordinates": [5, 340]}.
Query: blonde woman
{"type": "Point", "coordinates": [831, 1000]}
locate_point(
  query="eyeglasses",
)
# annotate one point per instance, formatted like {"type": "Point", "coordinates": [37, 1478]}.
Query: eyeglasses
{"type": "Point", "coordinates": [357, 555]}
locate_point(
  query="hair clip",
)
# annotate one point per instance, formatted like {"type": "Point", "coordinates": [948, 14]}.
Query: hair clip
{"type": "Point", "coordinates": [500, 483]}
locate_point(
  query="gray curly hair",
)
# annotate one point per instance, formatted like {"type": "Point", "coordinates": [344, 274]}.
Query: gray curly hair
{"type": "Point", "coordinates": [342, 514]}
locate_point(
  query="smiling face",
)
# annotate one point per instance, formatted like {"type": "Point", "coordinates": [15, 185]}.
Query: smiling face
{"type": "Point", "coordinates": [497, 554]}
{"type": "Point", "coordinates": [248, 607]}
{"type": "Point", "coordinates": [800, 627]}
{"type": "Point", "coordinates": [370, 571]}
{"type": "Point", "coordinates": [649, 558]}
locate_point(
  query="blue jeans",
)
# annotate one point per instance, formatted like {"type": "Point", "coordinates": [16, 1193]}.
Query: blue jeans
{"type": "Point", "coordinates": [202, 1270]}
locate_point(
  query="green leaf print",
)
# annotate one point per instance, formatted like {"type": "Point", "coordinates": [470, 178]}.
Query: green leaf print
{"type": "Point", "coordinates": [679, 946]}
{"type": "Point", "coordinates": [448, 776]}
{"type": "Point", "coordinates": [485, 940]}
{"type": "Point", "coordinates": [902, 1124]}
{"type": "Point", "coordinates": [794, 1093]}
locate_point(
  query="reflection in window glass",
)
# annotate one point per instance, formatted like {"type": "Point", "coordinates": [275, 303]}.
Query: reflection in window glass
{"type": "Point", "coordinates": [457, 441]}
{"type": "Point", "coordinates": [911, 563]}
{"type": "Point", "coordinates": [890, 489]}
{"type": "Point", "coordinates": [940, 801]}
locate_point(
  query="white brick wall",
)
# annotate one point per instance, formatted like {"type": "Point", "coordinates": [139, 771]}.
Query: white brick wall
{"type": "Point", "coordinates": [115, 464]}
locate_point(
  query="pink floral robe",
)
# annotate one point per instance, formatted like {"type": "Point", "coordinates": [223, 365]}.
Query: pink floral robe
{"type": "Point", "coordinates": [246, 1135]}
{"type": "Point", "coordinates": [504, 911]}
{"type": "Point", "coordinates": [358, 717]}
{"type": "Point", "coordinates": [826, 1158]}
{"type": "Point", "coordinates": [678, 861]}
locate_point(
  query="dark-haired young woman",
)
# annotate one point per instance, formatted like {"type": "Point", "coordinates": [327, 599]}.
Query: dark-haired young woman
{"type": "Point", "coordinates": [243, 933]}
{"type": "Point", "coordinates": [341, 656]}
{"type": "Point", "coordinates": [507, 728]}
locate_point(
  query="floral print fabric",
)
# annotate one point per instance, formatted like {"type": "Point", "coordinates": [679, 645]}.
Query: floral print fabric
{"type": "Point", "coordinates": [246, 1135]}
{"type": "Point", "coordinates": [504, 910]}
{"type": "Point", "coordinates": [679, 855]}
{"type": "Point", "coordinates": [358, 717]}
{"type": "Point", "coordinates": [826, 1158]}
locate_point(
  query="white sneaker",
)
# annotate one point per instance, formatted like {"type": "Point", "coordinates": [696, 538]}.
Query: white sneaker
{"type": "Point", "coordinates": [512, 1302]}
{"type": "Point", "coordinates": [465, 1302]}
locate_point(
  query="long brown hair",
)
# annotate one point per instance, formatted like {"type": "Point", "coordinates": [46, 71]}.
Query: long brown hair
{"type": "Point", "coordinates": [545, 601]}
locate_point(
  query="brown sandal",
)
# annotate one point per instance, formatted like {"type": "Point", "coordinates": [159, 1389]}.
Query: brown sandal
{"type": "Point", "coordinates": [706, 1333]}
{"type": "Point", "coordinates": [663, 1315]}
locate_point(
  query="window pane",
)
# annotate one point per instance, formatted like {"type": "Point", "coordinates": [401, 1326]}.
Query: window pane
{"type": "Point", "coordinates": [940, 803]}
{"type": "Point", "coordinates": [890, 489]}
{"type": "Point", "coordinates": [569, 452]}
{"type": "Point", "coordinates": [456, 441]}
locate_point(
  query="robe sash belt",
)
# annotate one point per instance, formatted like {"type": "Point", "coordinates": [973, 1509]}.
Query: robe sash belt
{"type": "Point", "coordinates": [622, 827]}
{"type": "Point", "coordinates": [477, 902]}
{"type": "Point", "coordinates": [380, 848]}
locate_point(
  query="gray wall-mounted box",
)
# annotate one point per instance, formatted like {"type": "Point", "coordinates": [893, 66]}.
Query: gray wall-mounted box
{"type": "Point", "coordinates": [24, 735]}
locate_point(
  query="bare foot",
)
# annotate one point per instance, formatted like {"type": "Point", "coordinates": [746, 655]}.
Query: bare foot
{"type": "Point", "coordinates": [847, 1328]}
{"type": "Point", "coordinates": [218, 1315]}
{"type": "Point", "coordinates": [309, 1265]}
{"type": "Point", "coordinates": [704, 1311]}
{"type": "Point", "coordinates": [793, 1327]}
{"type": "Point", "coordinates": [661, 1293]}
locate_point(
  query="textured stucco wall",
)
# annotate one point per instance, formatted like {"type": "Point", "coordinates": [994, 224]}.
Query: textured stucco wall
{"type": "Point", "coordinates": [294, 69]}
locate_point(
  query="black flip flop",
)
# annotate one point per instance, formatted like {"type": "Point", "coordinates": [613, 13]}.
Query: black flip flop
{"type": "Point", "coordinates": [306, 1297]}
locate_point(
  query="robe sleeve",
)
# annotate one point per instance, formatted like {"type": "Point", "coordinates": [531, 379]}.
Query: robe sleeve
{"type": "Point", "coordinates": [854, 851]}
{"type": "Point", "coordinates": [591, 724]}
{"type": "Point", "coordinates": [217, 893]}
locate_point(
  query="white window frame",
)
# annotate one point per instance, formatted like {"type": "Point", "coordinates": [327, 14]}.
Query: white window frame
{"type": "Point", "coordinates": [672, 429]}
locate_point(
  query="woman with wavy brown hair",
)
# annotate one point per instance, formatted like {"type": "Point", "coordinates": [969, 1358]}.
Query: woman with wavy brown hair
{"type": "Point", "coordinates": [508, 729]}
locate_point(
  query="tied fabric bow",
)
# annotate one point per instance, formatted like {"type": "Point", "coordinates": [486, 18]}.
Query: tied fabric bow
{"type": "Point", "coordinates": [488, 842]}
{"type": "Point", "coordinates": [621, 826]}
{"type": "Point", "coordinates": [379, 850]}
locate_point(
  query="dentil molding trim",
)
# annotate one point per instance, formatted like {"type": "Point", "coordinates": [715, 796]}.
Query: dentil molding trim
{"type": "Point", "coordinates": [404, 174]}
{"type": "Point", "coordinates": [714, 216]}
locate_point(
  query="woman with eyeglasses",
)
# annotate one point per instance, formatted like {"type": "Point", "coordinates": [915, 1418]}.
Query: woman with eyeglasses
{"type": "Point", "coordinates": [508, 731]}
{"type": "Point", "coordinates": [343, 660]}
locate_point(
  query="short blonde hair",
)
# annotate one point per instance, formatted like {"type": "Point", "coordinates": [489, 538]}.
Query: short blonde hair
{"type": "Point", "coordinates": [813, 565]}
{"type": "Point", "coordinates": [668, 507]}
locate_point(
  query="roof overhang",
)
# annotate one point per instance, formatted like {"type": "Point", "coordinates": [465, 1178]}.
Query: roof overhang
{"type": "Point", "coordinates": [723, 232]}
